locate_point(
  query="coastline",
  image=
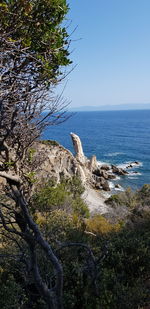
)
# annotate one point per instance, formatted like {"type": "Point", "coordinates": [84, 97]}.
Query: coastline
{"type": "Point", "coordinates": [114, 137]}
{"type": "Point", "coordinates": [95, 199]}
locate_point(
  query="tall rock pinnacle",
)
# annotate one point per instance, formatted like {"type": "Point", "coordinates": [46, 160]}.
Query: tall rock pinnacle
{"type": "Point", "coordinates": [78, 148]}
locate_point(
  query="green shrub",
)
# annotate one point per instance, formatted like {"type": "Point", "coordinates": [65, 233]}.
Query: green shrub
{"type": "Point", "coordinates": [50, 197]}
{"type": "Point", "coordinates": [31, 177]}
{"type": "Point", "coordinates": [11, 292]}
{"type": "Point", "coordinates": [80, 208]}
{"type": "Point", "coordinates": [99, 225]}
{"type": "Point", "coordinates": [73, 185]}
{"type": "Point", "coordinates": [143, 195]}
{"type": "Point", "coordinates": [127, 198]}
{"type": "Point", "coordinates": [31, 153]}
{"type": "Point", "coordinates": [49, 142]}
{"type": "Point", "coordinates": [64, 196]}
{"type": "Point", "coordinates": [114, 199]}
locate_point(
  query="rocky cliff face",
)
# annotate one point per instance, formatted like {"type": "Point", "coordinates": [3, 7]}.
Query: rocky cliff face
{"type": "Point", "coordinates": [59, 162]}
{"type": "Point", "coordinates": [51, 160]}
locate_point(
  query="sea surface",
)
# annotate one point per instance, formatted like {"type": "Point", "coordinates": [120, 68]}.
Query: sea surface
{"type": "Point", "coordinates": [116, 137]}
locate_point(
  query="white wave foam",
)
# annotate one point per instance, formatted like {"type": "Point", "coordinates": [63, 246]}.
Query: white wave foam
{"type": "Point", "coordinates": [111, 185]}
{"type": "Point", "coordinates": [100, 163]}
{"type": "Point", "coordinates": [133, 174]}
{"type": "Point", "coordinates": [126, 165]}
{"type": "Point", "coordinates": [113, 188]}
{"type": "Point", "coordinates": [114, 154]}
{"type": "Point", "coordinates": [117, 178]}
{"type": "Point", "coordinates": [123, 165]}
{"type": "Point", "coordinates": [132, 177]}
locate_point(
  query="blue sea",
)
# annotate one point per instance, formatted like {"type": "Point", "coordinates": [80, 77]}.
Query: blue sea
{"type": "Point", "coordinates": [116, 137]}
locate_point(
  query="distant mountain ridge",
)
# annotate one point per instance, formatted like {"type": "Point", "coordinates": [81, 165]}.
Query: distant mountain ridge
{"type": "Point", "coordinates": [112, 107]}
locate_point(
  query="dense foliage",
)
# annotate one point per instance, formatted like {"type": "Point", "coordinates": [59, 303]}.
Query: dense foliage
{"type": "Point", "coordinates": [105, 266]}
{"type": "Point", "coordinates": [34, 51]}
{"type": "Point", "coordinates": [136, 204]}
{"type": "Point", "coordinates": [35, 25]}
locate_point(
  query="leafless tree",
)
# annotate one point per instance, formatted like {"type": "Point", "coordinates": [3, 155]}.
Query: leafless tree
{"type": "Point", "coordinates": [23, 100]}
{"type": "Point", "coordinates": [27, 106]}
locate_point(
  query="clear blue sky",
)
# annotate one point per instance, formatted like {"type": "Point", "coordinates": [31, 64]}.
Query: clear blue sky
{"type": "Point", "coordinates": [113, 55]}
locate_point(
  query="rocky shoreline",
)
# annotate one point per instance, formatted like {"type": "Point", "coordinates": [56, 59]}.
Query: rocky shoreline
{"type": "Point", "coordinates": [97, 175]}
{"type": "Point", "coordinates": [50, 160]}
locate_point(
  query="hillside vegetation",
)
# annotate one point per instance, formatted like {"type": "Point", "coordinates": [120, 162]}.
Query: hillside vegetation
{"type": "Point", "coordinates": [105, 265]}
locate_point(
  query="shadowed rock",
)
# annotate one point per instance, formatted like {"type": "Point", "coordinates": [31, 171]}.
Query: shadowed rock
{"type": "Point", "coordinates": [105, 167]}
{"type": "Point", "coordinates": [119, 171]}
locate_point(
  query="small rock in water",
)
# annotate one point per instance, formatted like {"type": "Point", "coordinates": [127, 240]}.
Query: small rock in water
{"type": "Point", "coordinates": [132, 164]}
{"type": "Point", "coordinates": [117, 186]}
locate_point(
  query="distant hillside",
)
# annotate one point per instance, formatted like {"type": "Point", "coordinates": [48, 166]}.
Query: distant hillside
{"type": "Point", "coordinates": [112, 107]}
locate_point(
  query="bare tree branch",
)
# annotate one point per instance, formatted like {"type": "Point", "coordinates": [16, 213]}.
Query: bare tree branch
{"type": "Point", "coordinates": [8, 176]}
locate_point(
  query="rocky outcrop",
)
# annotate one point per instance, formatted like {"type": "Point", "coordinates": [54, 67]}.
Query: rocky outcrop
{"type": "Point", "coordinates": [58, 162]}
{"type": "Point", "coordinates": [117, 186]}
{"type": "Point", "coordinates": [50, 160]}
{"type": "Point", "coordinates": [118, 171]}
{"type": "Point", "coordinates": [93, 165]}
{"type": "Point", "coordinates": [95, 175]}
{"type": "Point", "coordinates": [105, 167]}
{"type": "Point", "coordinates": [78, 148]}
{"type": "Point", "coordinates": [54, 161]}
